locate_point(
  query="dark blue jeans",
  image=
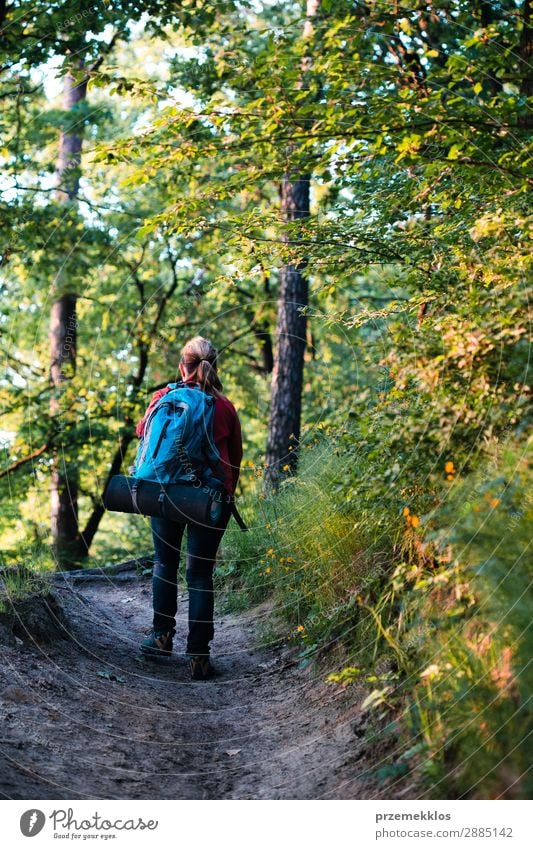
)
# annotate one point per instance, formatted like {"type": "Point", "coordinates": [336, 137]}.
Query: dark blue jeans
{"type": "Point", "coordinates": [202, 546]}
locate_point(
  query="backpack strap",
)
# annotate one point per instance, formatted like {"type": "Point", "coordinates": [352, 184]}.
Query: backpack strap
{"type": "Point", "coordinates": [134, 501]}
{"type": "Point", "coordinates": [237, 516]}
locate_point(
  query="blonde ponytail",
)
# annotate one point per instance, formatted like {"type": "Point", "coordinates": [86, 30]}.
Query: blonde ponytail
{"type": "Point", "coordinates": [199, 356]}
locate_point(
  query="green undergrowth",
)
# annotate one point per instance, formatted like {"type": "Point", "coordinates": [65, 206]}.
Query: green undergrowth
{"type": "Point", "coordinates": [463, 624]}
{"type": "Point", "coordinates": [426, 597]}
{"type": "Point", "coordinates": [20, 581]}
{"type": "Point", "coordinates": [307, 548]}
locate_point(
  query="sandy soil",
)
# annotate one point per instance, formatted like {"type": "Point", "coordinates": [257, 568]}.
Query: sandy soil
{"type": "Point", "coordinates": [83, 716]}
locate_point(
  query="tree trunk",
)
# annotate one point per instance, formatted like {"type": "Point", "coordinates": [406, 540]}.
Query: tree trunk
{"type": "Point", "coordinates": [526, 51]}
{"type": "Point", "coordinates": [70, 141]}
{"type": "Point", "coordinates": [291, 328]}
{"type": "Point", "coordinates": [64, 484]}
{"type": "Point", "coordinates": [63, 340]}
{"type": "Point", "coordinates": [287, 376]}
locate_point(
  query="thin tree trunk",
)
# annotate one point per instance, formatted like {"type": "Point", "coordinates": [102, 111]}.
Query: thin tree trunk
{"type": "Point", "coordinates": [87, 535]}
{"type": "Point", "coordinates": [63, 341]}
{"type": "Point", "coordinates": [526, 50]}
{"type": "Point", "coordinates": [262, 334]}
{"type": "Point", "coordinates": [291, 328]}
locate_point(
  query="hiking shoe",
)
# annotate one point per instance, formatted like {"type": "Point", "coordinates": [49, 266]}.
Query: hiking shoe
{"type": "Point", "coordinates": [157, 644]}
{"type": "Point", "coordinates": [201, 668]}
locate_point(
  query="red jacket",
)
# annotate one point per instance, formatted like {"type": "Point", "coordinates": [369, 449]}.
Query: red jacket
{"type": "Point", "coordinates": [226, 434]}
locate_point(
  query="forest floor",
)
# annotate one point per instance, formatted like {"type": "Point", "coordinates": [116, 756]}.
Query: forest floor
{"type": "Point", "coordinates": [84, 716]}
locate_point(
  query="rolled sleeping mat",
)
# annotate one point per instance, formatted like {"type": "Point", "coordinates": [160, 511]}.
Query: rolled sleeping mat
{"type": "Point", "coordinates": [178, 502]}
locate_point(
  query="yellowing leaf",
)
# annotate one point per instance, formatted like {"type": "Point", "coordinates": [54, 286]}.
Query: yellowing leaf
{"type": "Point", "coordinates": [454, 152]}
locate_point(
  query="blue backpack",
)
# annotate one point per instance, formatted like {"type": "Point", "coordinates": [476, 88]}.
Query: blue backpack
{"type": "Point", "coordinates": [178, 445]}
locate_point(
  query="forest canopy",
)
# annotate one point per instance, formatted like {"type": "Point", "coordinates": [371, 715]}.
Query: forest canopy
{"type": "Point", "coordinates": [144, 158]}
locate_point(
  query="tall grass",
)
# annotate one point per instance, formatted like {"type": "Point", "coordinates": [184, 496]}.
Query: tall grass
{"type": "Point", "coordinates": [24, 578]}
{"type": "Point", "coordinates": [434, 610]}
{"type": "Point", "coordinates": [306, 548]}
{"type": "Point", "coordinates": [473, 696]}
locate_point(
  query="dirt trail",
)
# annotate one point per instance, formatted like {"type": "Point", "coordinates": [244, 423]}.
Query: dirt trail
{"type": "Point", "coordinates": [84, 717]}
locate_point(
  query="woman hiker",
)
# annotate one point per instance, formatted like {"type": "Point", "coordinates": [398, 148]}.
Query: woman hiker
{"type": "Point", "coordinates": [198, 367]}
